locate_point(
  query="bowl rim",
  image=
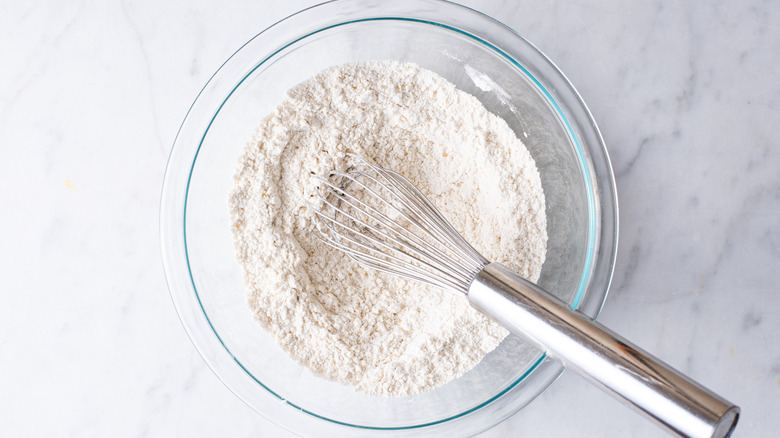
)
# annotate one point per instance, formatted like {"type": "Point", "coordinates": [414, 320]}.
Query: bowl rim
{"type": "Point", "coordinates": [599, 177]}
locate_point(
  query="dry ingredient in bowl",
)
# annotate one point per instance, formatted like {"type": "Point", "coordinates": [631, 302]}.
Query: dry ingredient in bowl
{"type": "Point", "coordinates": [376, 332]}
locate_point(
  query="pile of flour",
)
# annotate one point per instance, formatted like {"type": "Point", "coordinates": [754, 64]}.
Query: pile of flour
{"type": "Point", "coordinates": [376, 332]}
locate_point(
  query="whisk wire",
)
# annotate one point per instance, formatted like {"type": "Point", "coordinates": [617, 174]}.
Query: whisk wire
{"type": "Point", "coordinates": [436, 225]}
{"type": "Point", "coordinates": [401, 267]}
{"type": "Point", "coordinates": [401, 235]}
{"type": "Point", "coordinates": [398, 255]}
{"type": "Point", "coordinates": [447, 235]}
{"type": "Point", "coordinates": [360, 217]}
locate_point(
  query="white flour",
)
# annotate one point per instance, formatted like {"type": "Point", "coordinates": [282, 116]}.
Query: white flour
{"type": "Point", "coordinates": [381, 334]}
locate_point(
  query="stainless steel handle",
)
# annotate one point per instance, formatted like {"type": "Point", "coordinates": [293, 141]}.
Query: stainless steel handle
{"type": "Point", "coordinates": [626, 371]}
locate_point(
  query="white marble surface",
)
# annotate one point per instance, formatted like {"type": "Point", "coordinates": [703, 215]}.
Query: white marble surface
{"type": "Point", "coordinates": [687, 95]}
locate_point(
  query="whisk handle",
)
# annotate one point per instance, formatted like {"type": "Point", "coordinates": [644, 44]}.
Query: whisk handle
{"type": "Point", "coordinates": [616, 365]}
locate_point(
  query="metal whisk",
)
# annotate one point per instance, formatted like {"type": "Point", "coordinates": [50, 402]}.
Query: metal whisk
{"type": "Point", "coordinates": [382, 221]}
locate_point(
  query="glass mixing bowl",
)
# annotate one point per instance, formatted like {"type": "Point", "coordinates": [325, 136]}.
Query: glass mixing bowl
{"type": "Point", "coordinates": [481, 56]}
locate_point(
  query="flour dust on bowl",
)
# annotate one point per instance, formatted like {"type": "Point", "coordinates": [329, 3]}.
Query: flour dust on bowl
{"type": "Point", "coordinates": [480, 56]}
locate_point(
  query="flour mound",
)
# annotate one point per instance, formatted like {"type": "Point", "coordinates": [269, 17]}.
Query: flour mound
{"type": "Point", "coordinates": [376, 332]}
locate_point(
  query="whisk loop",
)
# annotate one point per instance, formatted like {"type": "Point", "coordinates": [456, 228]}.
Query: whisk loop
{"type": "Point", "coordinates": [382, 221]}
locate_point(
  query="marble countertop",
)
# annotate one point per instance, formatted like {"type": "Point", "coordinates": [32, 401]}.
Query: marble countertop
{"type": "Point", "coordinates": [687, 95]}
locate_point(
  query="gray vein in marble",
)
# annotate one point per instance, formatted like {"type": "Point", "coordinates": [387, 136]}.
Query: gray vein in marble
{"type": "Point", "coordinates": [142, 48]}
{"type": "Point", "coordinates": [41, 60]}
{"type": "Point", "coordinates": [751, 320]}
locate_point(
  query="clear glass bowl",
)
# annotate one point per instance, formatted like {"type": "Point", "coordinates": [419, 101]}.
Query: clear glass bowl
{"type": "Point", "coordinates": [481, 56]}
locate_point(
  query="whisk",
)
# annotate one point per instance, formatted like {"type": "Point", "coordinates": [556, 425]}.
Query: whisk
{"type": "Point", "coordinates": [382, 221]}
